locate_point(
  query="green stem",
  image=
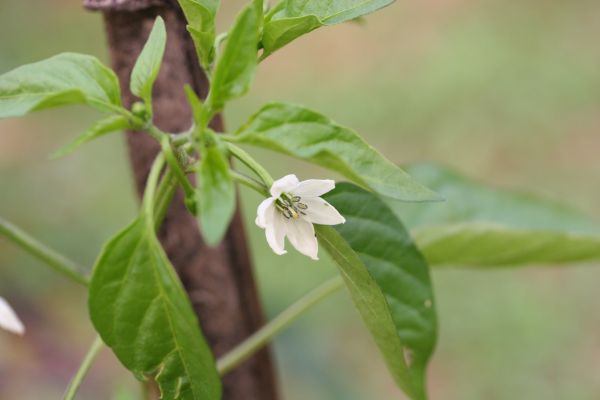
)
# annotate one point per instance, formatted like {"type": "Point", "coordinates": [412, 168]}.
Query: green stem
{"type": "Point", "coordinates": [249, 182]}
{"type": "Point", "coordinates": [251, 163]}
{"type": "Point", "coordinates": [261, 337]}
{"type": "Point", "coordinates": [84, 369]}
{"type": "Point", "coordinates": [156, 133]}
{"type": "Point", "coordinates": [166, 190]}
{"type": "Point", "coordinates": [151, 184]}
{"type": "Point", "coordinates": [55, 260]}
{"type": "Point", "coordinates": [175, 166]}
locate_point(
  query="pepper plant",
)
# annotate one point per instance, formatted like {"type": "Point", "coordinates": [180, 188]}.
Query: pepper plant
{"type": "Point", "coordinates": [136, 301]}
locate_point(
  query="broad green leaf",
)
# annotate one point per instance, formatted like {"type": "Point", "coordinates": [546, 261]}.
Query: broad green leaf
{"type": "Point", "coordinates": [65, 79]}
{"type": "Point", "coordinates": [482, 226]}
{"type": "Point", "coordinates": [235, 68]}
{"type": "Point", "coordinates": [200, 15]}
{"type": "Point", "coordinates": [389, 282]}
{"type": "Point", "coordinates": [104, 126]}
{"type": "Point", "coordinates": [299, 17]}
{"type": "Point", "coordinates": [147, 66]}
{"type": "Point", "coordinates": [141, 311]}
{"type": "Point", "coordinates": [216, 194]}
{"type": "Point", "coordinates": [305, 134]}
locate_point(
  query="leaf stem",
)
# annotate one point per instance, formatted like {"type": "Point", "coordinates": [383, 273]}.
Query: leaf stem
{"type": "Point", "coordinates": [249, 182]}
{"type": "Point", "coordinates": [164, 195]}
{"type": "Point", "coordinates": [156, 133]}
{"type": "Point", "coordinates": [151, 184]}
{"type": "Point", "coordinates": [261, 337]}
{"type": "Point", "coordinates": [175, 166]}
{"type": "Point", "coordinates": [53, 259]}
{"type": "Point", "coordinates": [251, 163]}
{"type": "Point", "coordinates": [84, 369]}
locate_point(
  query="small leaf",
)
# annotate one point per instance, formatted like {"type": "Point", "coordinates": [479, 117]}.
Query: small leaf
{"type": "Point", "coordinates": [65, 79]}
{"type": "Point", "coordinates": [334, 11]}
{"type": "Point", "coordinates": [235, 69]}
{"type": "Point", "coordinates": [200, 15]}
{"type": "Point", "coordinates": [388, 280]}
{"type": "Point", "coordinates": [104, 126]}
{"type": "Point", "coordinates": [216, 194]}
{"type": "Point", "coordinates": [141, 311]}
{"type": "Point", "coordinates": [305, 134]}
{"type": "Point", "coordinates": [279, 32]}
{"type": "Point", "coordinates": [148, 64]}
{"type": "Point", "coordinates": [481, 226]}
{"type": "Point", "coordinates": [299, 17]}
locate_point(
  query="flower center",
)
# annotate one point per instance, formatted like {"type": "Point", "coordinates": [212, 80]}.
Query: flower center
{"type": "Point", "coordinates": [290, 206]}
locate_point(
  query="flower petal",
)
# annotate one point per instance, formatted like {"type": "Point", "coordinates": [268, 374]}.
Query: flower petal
{"type": "Point", "coordinates": [301, 234]}
{"type": "Point", "coordinates": [275, 232]}
{"type": "Point", "coordinates": [283, 185]}
{"type": "Point", "coordinates": [321, 212]}
{"type": "Point", "coordinates": [262, 210]}
{"type": "Point", "coordinates": [9, 319]}
{"type": "Point", "coordinates": [314, 187]}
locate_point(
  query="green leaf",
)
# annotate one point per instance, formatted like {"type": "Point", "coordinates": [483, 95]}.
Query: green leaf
{"type": "Point", "coordinates": [279, 32]}
{"type": "Point", "coordinates": [299, 17]}
{"type": "Point", "coordinates": [334, 11]}
{"type": "Point", "coordinates": [148, 63]}
{"type": "Point", "coordinates": [217, 194]}
{"type": "Point", "coordinates": [104, 126]}
{"type": "Point", "coordinates": [305, 134]}
{"type": "Point", "coordinates": [65, 79]}
{"type": "Point", "coordinates": [141, 311]}
{"type": "Point", "coordinates": [481, 226]}
{"type": "Point", "coordinates": [200, 15]}
{"type": "Point", "coordinates": [388, 280]}
{"type": "Point", "coordinates": [235, 68]}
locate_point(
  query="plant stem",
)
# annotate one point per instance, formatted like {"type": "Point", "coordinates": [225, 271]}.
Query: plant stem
{"type": "Point", "coordinates": [251, 163]}
{"type": "Point", "coordinates": [164, 195]}
{"type": "Point", "coordinates": [55, 260]}
{"type": "Point", "coordinates": [249, 182]}
{"type": "Point", "coordinates": [151, 184]}
{"type": "Point", "coordinates": [84, 368]}
{"type": "Point", "coordinates": [175, 166]}
{"type": "Point", "coordinates": [261, 337]}
{"type": "Point", "coordinates": [156, 133]}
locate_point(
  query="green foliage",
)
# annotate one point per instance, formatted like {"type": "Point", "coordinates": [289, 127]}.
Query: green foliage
{"type": "Point", "coordinates": [67, 78]}
{"type": "Point", "coordinates": [389, 282]}
{"type": "Point", "coordinates": [216, 193]}
{"type": "Point", "coordinates": [148, 63]}
{"type": "Point", "coordinates": [298, 17]}
{"type": "Point", "coordinates": [141, 311]}
{"type": "Point", "coordinates": [104, 126]}
{"type": "Point", "coordinates": [481, 226]}
{"type": "Point", "coordinates": [305, 134]}
{"type": "Point", "coordinates": [200, 15]}
{"type": "Point", "coordinates": [334, 11]}
{"type": "Point", "coordinates": [235, 68]}
{"type": "Point", "coordinates": [279, 32]}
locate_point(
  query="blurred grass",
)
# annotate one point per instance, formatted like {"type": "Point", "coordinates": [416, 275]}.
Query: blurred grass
{"type": "Point", "coordinates": [506, 92]}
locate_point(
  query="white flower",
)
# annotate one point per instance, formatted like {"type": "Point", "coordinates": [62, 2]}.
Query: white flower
{"type": "Point", "coordinates": [9, 319]}
{"type": "Point", "coordinates": [292, 210]}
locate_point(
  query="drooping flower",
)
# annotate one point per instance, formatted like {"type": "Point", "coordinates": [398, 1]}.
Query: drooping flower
{"type": "Point", "coordinates": [292, 210]}
{"type": "Point", "coordinates": [9, 320]}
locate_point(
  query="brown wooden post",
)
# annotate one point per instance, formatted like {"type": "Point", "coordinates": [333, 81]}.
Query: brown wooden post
{"type": "Point", "coordinates": [219, 281]}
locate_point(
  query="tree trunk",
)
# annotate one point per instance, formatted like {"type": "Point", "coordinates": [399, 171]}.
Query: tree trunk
{"type": "Point", "coordinates": [219, 281]}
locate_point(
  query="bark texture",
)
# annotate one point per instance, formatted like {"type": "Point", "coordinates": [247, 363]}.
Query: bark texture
{"type": "Point", "coordinates": [219, 281]}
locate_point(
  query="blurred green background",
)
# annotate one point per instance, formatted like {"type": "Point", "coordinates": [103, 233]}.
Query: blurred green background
{"type": "Point", "coordinates": [506, 92]}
